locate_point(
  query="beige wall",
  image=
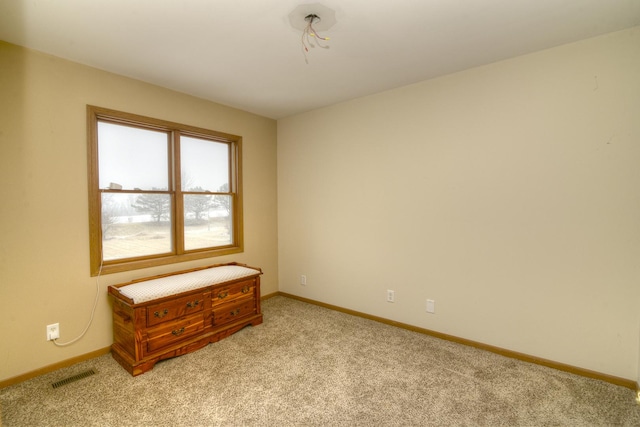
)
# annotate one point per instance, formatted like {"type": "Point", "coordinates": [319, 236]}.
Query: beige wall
{"type": "Point", "coordinates": [507, 193]}
{"type": "Point", "coordinates": [44, 243]}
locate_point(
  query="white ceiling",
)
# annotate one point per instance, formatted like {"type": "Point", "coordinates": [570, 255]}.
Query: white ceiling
{"type": "Point", "coordinates": [246, 54]}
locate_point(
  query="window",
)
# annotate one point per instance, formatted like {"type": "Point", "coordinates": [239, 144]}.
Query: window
{"type": "Point", "coordinates": [160, 192]}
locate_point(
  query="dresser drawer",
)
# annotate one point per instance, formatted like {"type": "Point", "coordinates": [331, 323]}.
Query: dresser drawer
{"type": "Point", "coordinates": [226, 294]}
{"type": "Point", "coordinates": [230, 312]}
{"type": "Point", "coordinates": [169, 310]}
{"type": "Point", "coordinates": [166, 335]}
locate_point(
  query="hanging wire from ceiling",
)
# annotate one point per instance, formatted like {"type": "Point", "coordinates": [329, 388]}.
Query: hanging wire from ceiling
{"type": "Point", "coordinates": [309, 34]}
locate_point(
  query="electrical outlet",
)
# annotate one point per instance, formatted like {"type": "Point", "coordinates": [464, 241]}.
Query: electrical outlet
{"type": "Point", "coordinates": [391, 296]}
{"type": "Point", "coordinates": [431, 306]}
{"type": "Point", "coordinates": [53, 331]}
{"type": "Point", "coordinates": [303, 280]}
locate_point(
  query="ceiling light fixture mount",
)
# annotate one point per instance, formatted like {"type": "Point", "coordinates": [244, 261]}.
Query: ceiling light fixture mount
{"type": "Point", "coordinates": [311, 18]}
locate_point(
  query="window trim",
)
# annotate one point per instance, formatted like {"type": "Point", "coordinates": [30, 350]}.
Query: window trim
{"type": "Point", "coordinates": [97, 266]}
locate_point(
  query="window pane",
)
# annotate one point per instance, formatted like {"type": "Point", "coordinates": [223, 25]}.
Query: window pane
{"type": "Point", "coordinates": [132, 157]}
{"type": "Point", "coordinates": [205, 165]}
{"type": "Point", "coordinates": [135, 225]}
{"type": "Point", "coordinates": [207, 221]}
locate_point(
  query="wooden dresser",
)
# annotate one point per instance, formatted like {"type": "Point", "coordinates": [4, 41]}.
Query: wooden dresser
{"type": "Point", "coordinates": [165, 316]}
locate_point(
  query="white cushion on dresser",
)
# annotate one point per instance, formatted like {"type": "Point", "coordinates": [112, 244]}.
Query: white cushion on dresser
{"type": "Point", "coordinates": [171, 285]}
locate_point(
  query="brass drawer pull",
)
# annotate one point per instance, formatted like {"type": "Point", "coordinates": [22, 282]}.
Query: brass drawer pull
{"type": "Point", "coordinates": [223, 295]}
{"type": "Point", "coordinates": [178, 331]}
{"type": "Point", "coordinates": [161, 314]}
{"type": "Point", "coordinates": [191, 304]}
{"type": "Point", "coordinates": [245, 289]}
{"type": "Point", "coordinates": [235, 312]}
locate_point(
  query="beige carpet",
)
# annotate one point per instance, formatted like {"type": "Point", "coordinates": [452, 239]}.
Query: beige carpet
{"type": "Point", "coordinates": [307, 366]}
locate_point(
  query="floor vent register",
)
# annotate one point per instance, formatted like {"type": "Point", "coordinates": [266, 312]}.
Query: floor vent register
{"type": "Point", "coordinates": [73, 378]}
